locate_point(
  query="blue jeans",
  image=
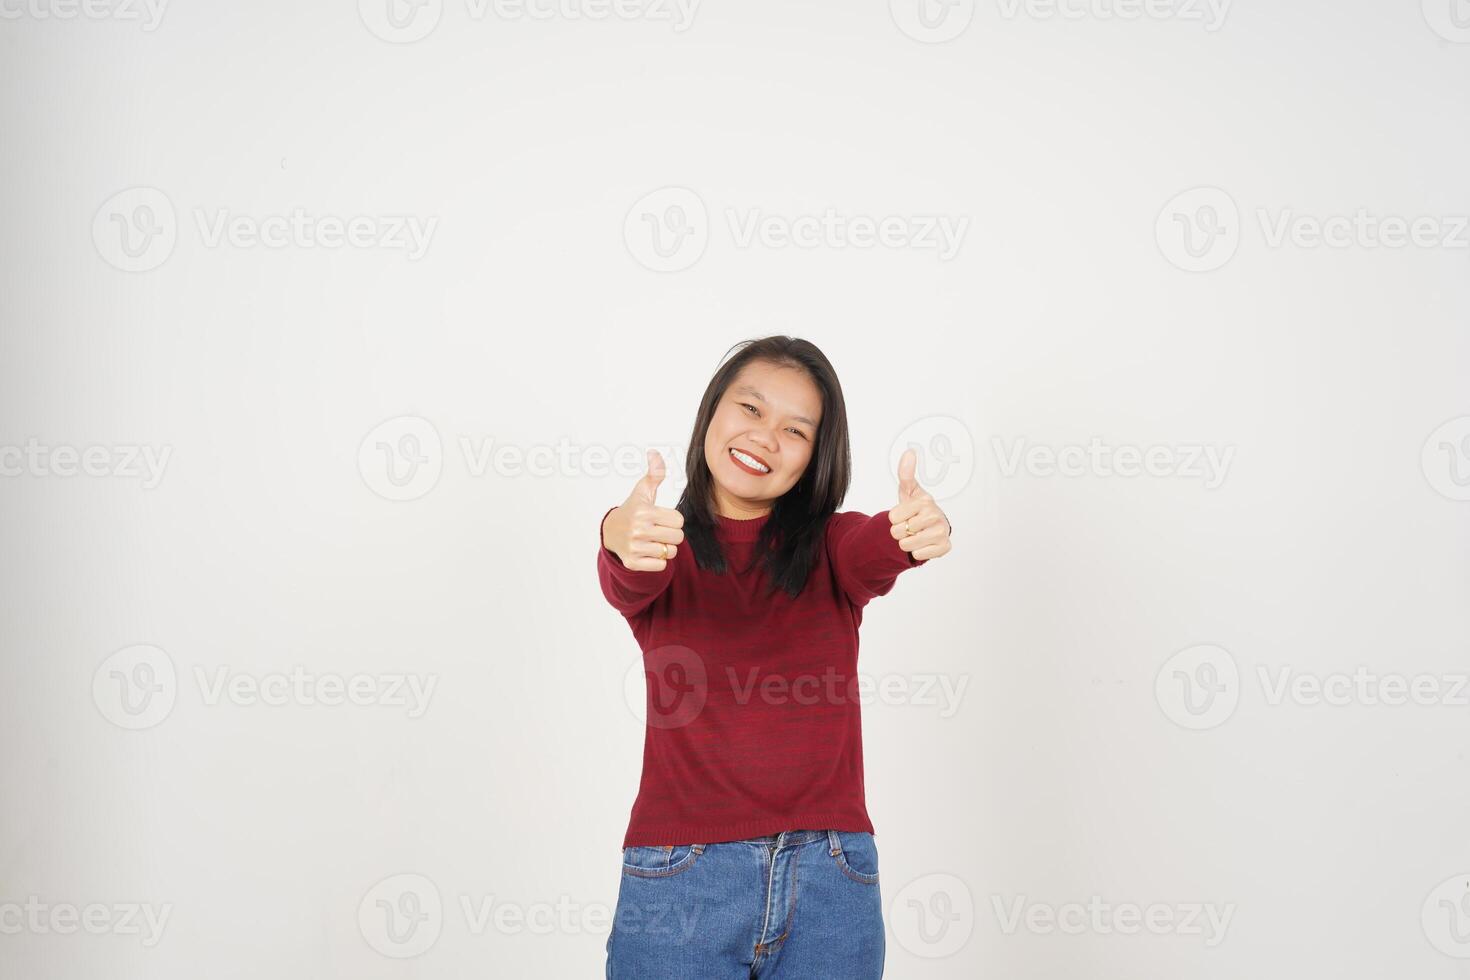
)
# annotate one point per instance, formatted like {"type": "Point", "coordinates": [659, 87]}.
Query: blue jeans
{"type": "Point", "coordinates": [791, 906]}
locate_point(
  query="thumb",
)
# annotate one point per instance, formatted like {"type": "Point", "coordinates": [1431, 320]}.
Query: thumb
{"type": "Point", "coordinates": [907, 464]}
{"type": "Point", "coordinates": [647, 488]}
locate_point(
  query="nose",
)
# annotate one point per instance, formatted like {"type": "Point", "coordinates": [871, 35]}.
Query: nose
{"type": "Point", "coordinates": [764, 439]}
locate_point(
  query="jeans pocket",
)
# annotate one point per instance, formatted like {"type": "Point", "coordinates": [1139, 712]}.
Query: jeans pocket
{"type": "Point", "coordinates": [856, 855]}
{"type": "Point", "coordinates": [661, 861]}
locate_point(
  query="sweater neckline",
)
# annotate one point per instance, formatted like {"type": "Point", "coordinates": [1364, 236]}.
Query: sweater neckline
{"type": "Point", "coordinates": [731, 529]}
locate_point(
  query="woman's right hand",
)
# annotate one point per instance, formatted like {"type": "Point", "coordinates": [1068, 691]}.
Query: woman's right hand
{"type": "Point", "coordinates": [638, 529]}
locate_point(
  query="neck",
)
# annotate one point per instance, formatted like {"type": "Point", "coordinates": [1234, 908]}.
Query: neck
{"type": "Point", "coordinates": [737, 511]}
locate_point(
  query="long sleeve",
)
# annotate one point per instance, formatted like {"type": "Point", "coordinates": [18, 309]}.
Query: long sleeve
{"type": "Point", "coordinates": [630, 592]}
{"type": "Point", "coordinates": [865, 555]}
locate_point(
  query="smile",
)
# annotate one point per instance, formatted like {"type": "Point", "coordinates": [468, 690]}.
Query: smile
{"type": "Point", "coordinates": [749, 462]}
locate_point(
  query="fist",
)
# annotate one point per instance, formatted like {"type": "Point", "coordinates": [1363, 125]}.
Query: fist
{"type": "Point", "coordinates": [919, 526]}
{"type": "Point", "coordinates": [644, 535]}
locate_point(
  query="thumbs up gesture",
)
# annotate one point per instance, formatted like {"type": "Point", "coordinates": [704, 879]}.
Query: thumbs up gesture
{"type": "Point", "coordinates": [644, 535]}
{"type": "Point", "coordinates": [918, 524]}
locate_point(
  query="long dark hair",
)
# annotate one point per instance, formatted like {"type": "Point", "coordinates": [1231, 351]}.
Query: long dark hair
{"type": "Point", "coordinates": [789, 541]}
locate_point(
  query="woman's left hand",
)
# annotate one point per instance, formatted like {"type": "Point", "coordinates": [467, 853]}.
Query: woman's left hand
{"type": "Point", "coordinates": [918, 524]}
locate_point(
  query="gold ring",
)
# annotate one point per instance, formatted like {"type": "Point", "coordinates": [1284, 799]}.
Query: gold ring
{"type": "Point", "coordinates": [665, 546]}
{"type": "Point", "coordinates": [906, 531]}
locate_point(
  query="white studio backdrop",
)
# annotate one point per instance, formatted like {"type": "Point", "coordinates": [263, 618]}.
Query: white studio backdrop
{"type": "Point", "coordinates": [329, 333]}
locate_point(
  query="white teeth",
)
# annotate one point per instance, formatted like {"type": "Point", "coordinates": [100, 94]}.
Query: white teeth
{"type": "Point", "coordinates": [748, 461]}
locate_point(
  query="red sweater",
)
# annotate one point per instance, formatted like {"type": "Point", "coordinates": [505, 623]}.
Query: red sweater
{"type": "Point", "coordinates": [754, 724]}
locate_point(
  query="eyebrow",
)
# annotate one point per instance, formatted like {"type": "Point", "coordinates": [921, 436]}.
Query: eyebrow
{"type": "Point", "coordinates": [748, 390]}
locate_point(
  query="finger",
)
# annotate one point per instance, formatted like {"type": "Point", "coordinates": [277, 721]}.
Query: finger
{"type": "Point", "coordinates": [907, 510]}
{"type": "Point", "coordinates": [921, 521]}
{"type": "Point", "coordinates": [645, 564]}
{"type": "Point", "coordinates": [647, 488]}
{"type": "Point", "coordinates": [657, 532]}
{"type": "Point", "coordinates": [667, 517]}
{"type": "Point", "coordinates": [652, 549]}
{"type": "Point", "coordinates": [923, 539]}
{"type": "Point", "coordinates": [933, 550]}
{"type": "Point", "coordinates": [908, 463]}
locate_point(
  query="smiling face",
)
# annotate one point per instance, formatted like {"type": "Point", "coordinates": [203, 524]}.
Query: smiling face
{"type": "Point", "coordinates": [769, 414]}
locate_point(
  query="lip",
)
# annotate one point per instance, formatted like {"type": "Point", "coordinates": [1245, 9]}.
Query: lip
{"type": "Point", "coordinates": [754, 456]}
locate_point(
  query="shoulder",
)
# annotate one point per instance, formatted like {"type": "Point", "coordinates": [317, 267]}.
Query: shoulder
{"type": "Point", "coordinates": [844, 522]}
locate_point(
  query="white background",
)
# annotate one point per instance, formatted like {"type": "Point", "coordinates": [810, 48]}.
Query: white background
{"type": "Point", "coordinates": [1334, 834]}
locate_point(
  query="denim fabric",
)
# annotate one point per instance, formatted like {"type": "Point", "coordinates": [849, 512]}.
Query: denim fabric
{"type": "Point", "coordinates": [799, 905]}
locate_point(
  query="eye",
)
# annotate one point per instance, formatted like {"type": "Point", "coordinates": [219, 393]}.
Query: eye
{"type": "Point", "coordinates": [797, 432]}
{"type": "Point", "coordinates": [749, 406]}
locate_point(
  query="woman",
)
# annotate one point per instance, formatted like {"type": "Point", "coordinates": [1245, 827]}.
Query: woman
{"type": "Point", "coordinates": [749, 851]}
